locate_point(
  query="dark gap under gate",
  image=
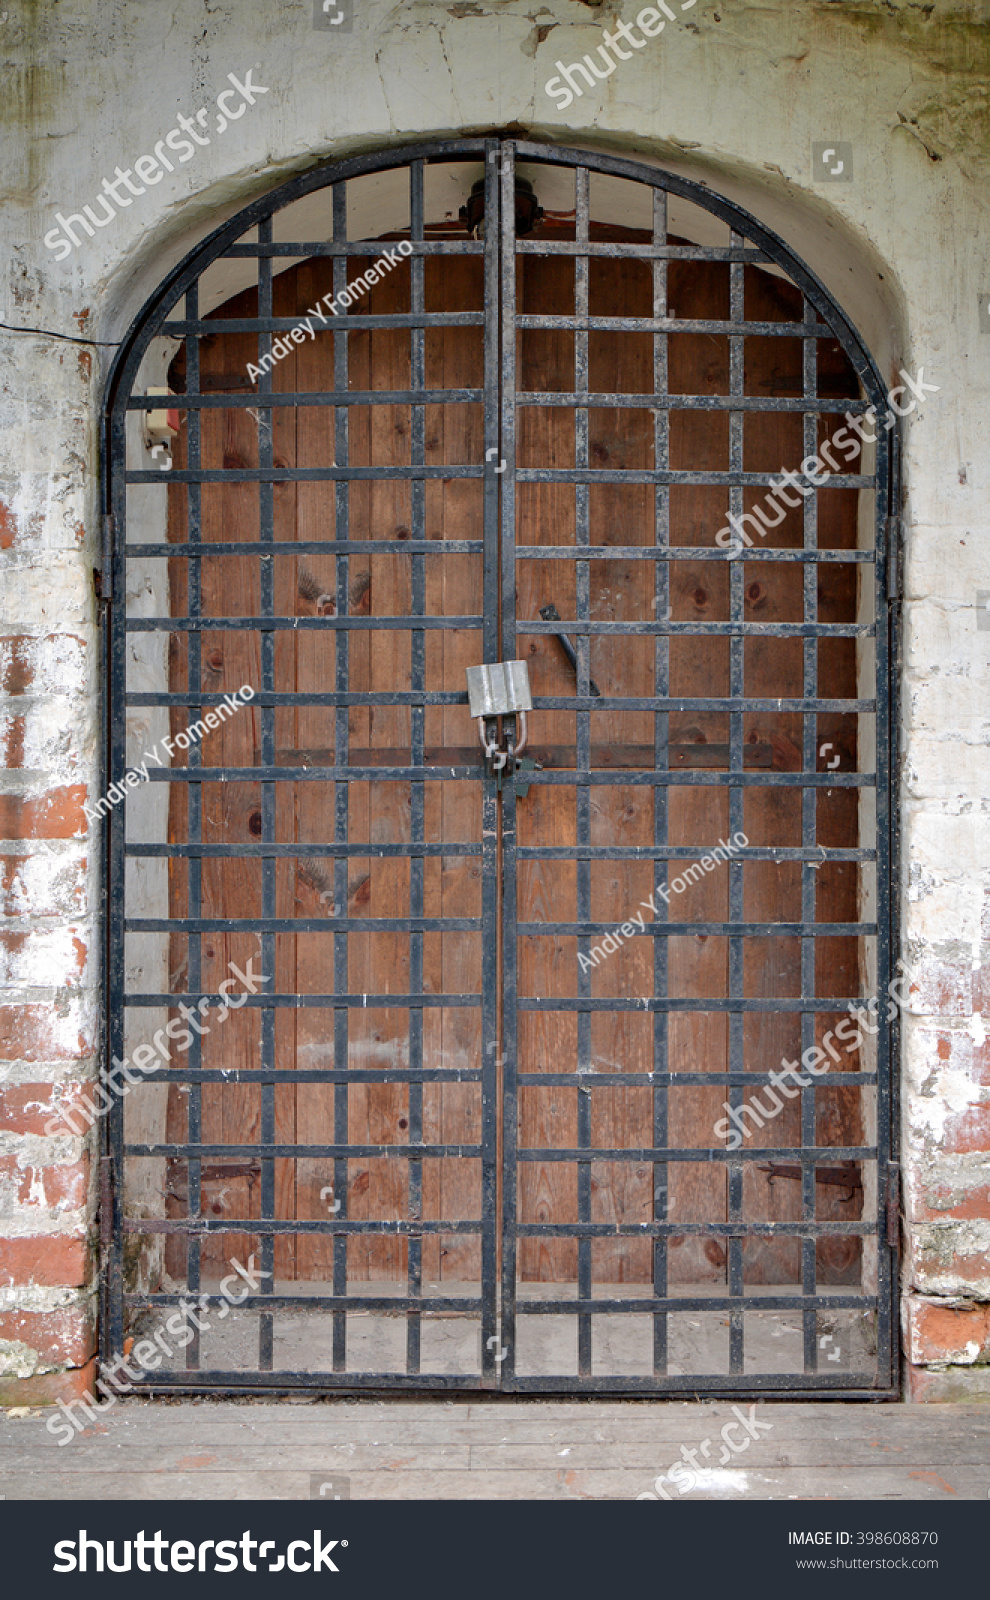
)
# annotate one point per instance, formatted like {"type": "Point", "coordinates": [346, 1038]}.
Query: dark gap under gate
{"type": "Point", "coordinates": [450, 1130]}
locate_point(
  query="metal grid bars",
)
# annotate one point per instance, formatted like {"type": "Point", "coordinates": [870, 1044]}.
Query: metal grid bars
{"type": "Point", "coordinates": [258, 1115]}
{"type": "Point", "coordinates": [792, 1260]}
{"type": "Point", "coordinates": [517, 1130]}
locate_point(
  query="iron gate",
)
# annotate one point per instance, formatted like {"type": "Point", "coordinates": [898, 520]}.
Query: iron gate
{"type": "Point", "coordinates": [546, 1106]}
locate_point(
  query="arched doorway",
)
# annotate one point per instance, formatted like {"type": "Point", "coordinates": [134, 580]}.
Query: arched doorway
{"type": "Point", "coordinates": [499, 1113]}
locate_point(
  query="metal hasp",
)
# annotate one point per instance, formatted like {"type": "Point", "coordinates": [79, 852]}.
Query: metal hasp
{"type": "Point", "coordinates": [499, 689]}
{"type": "Point", "coordinates": [551, 614]}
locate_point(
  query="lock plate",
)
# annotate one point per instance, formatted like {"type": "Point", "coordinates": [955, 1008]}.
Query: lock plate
{"type": "Point", "coordinates": [499, 689]}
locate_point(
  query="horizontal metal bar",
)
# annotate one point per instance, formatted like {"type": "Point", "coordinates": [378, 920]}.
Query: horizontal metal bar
{"type": "Point", "coordinates": [576, 399]}
{"type": "Point", "coordinates": [608, 778]}
{"type": "Point", "coordinates": [316, 1152]}
{"type": "Point", "coordinates": [332, 849]}
{"type": "Point", "coordinates": [234, 1382]}
{"type": "Point", "coordinates": [698, 630]}
{"type": "Point", "coordinates": [805, 1155]}
{"type": "Point", "coordinates": [328, 474]}
{"type": "Point", "coordinates": [284, 1075]}
{"type": "Point", "coordinates": [653, 1080]}
{"type": "Point", "coordinates": [365, 247]}
{"type": "Point", "coordinates": [708, 1004]}
{"type": "Point", "coordinates": [324, 924]}
{"type": "Point", "coordinates": [524, 552]}
{"type": "Point", "coordinates": [395, 1305]}
{"type": "Point", "coordinates": [664, 930]}
{"type": "Point", "coordinates": [268, 1227]}
{"type": "Point", "coordinates": [630, 475]}
{"type": "Point", "coordinates": [322, 1002]}
{"type": "Point", "coordinates": [349, 324]}
{"type": "Point", "coordinates": [634, 702]}
{"type": "Point", "coordinates": [299, 698]}
{"type": "Point", "coordinates": [695, 1303]}
{"type": "Point", "coordinates": [663, 552]}
{"type": "Point", "coordinates": [644, 252]}
{"type": "Point", "coordinates": [553, 321]}
{"type": "Point", "coordinates": [274, 400]}
{"type": "Point", "coordinates": [384, 624]}
{"type": "Point", "coordinates": [751, 779]}
{"type": "Point", "coordinates": [450, 471]}
{"type": "Point", "coordinates": [736, 1229]}
{"type": "Point", "coordinates": [677, 852]}
{"type": "Point", "coordinates": [320, 547]}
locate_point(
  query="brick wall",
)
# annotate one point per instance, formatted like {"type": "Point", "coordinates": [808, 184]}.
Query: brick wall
{"type": "Point", "coordinates": [48, 876]}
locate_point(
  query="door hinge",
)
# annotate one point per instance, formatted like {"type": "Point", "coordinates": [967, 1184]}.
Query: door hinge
{"type": "Point", "coordinates": [103, 574]}
{"type": "Point", "coordinates": [893, 1206]}
{"type": "Point", "coordinates": [893, 558]}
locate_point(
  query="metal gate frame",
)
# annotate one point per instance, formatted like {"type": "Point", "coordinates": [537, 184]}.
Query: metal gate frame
{"type": "Point", "coordinates": [750, 242]}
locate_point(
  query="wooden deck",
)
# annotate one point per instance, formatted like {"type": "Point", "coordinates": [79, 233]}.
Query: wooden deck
{"type": "Point", "coordinates": [459, 1450]}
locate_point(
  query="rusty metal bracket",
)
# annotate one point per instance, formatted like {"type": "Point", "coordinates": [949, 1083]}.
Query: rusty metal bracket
{"type": "Point", "coordinates": [845, 1176]}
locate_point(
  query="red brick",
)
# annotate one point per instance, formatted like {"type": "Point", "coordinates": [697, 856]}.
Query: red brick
{"type": "Point", "coordinates": [63, 1338]}
{"type": "Point", "coordinates": [56, 815]}
{"type": "Point", "coordinates": [27, 1107]}
{"type": "Point", "coordinates": [937, 1205]}
{"type": "Point", "coordinates": [47, 1260]}
{"type": "Point", "coordinates": [50, 1387]}
{"type": "Point", "coordinates": [63, 1187]}
{"type": "Point", "coordinates": [935, 1332]}
{"type": "Point", "coordinates": [956, 1386]}
{"type": "Point", "coordinates": [57, 661]}
{"type": "Point", "coordinates": [58, 885]}
{"type": "Point", "coordinates": [969, 1132]}
{"type": "Point", "coordinates": [35, 1033]}
{"type": "Point", "coordinates": [959, 1052]}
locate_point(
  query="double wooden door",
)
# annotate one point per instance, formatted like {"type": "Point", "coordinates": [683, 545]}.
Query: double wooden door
{"type": "Point", "coordinates": [480, 1108]}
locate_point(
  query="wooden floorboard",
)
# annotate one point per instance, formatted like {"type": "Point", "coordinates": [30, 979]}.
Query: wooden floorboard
{"type": "Point", "coordinates": [392, 1450]}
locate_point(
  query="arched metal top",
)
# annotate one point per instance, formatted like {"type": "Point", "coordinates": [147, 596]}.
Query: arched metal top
{"type": "Point", "coordinates": [147, 323]}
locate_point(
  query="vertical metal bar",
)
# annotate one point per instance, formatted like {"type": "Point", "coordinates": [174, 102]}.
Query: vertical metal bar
{"type": "Point", "coordinates": [269, 907]}
{"type": "Point", "coordinates": [582, 612]}
{"type": "Point", "coordinates": [417, 380]}
{"type": "Point", "coordinates": [887, 1063]}
{"type": "Point", "coordinates": [661, 793]}
{"type": "Point", "coordinates": [341, 641]}
{"type": "Point", "coordinates": [493, 1365]}
{"type": "Point", "coordinates": [194, 820]}
{"type": "Point", "coordinates": [113, 757]}
{"type": "Point", "coordinates": [809, 829]}
{"type": "Point", "coordinates": [507, 602]}
{"type": "Point", "coordinates": [736, 869]}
